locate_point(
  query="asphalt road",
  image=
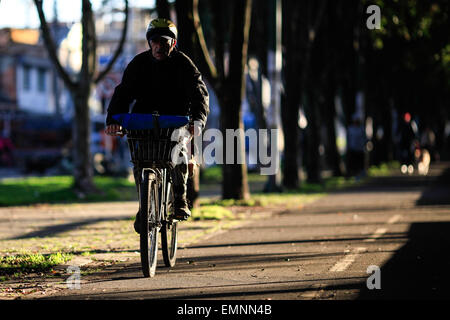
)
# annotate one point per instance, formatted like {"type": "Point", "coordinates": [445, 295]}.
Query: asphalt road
{"type": "Point", "coordinates": [389, 239]}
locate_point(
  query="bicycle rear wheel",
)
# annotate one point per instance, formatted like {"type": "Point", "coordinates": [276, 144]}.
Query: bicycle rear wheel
{"type": "Point", "coordinates": [149, 226]}
{"type": "Point", "coordinates": [169, 233]}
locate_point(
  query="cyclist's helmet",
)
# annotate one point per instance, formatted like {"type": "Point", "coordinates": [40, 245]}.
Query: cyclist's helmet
{"type": "Point", "coordinates": [163, 28]}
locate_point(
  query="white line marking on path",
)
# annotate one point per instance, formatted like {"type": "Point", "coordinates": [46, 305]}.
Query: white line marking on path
{"type": "Point", "coordinates": [343, 264]}
{"type": "Point", "coordinates": [378, 233]}
{"type": "Point", "coordinates": [394, 219]}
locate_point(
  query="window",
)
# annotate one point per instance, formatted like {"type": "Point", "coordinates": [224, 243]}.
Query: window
{"type": "Point", "coordinates": [26, 77]}
{"type": "Point", "coordinates": [41, 79]}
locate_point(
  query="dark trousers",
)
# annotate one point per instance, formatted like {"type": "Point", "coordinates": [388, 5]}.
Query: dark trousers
{"type": "Point", "coordinates": [355, 162]}
{"type": "Point", "coordinates": [179, 176]}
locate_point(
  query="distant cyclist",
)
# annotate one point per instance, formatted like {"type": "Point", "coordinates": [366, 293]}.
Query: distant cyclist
{"type": "Point", "coordinates": [164, 80]}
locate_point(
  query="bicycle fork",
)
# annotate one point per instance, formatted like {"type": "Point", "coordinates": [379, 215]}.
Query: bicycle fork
{"type": "Point", "coordinates": [155, 176]}
{"type": "Point", "coordinates": [165, 192]}
{"type": "Point", "coordinates": [163, 185]}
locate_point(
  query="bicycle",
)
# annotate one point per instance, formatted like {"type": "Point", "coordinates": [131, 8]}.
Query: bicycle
{"type": "Point", "coordinates": [151, 149]}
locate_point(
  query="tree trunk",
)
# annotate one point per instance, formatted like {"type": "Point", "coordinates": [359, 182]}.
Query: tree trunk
{"type": "Point", "coordinates": [230, 87]}
{"type": "Point", "coordinates": [234, 181]}
{"type": "Point", "coordinates": [290, 101]}
{"type": "Point", "coordinates": [260, 31]}
{"type": "Point", "coordinates": [186, 32]}
{"type": "Point", "coordinates": [163, 9]}
{"type": "Point", "coordinates": [83, 171]}
{"type": "Point", "coordinates": [235, 184]}
{"type": "Point", "coordinates": [274, 74]}
{"type": "Point", "coordinates": [330, 115]}
{"type": "Point", "coordinates": [328, 48]}
{"type": "Point", "coordinates": [313, 165]}
{"type": "Point", "coordinates": [80, 89]}
{"type": "Point", "coordinates": [289, 112]}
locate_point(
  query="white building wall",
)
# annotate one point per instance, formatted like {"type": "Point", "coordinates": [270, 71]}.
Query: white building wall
{"type": "Point", "coordinates": [32, 99]}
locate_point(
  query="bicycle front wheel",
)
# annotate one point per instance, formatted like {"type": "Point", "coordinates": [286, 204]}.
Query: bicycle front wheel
{"type": "Point", "coordinates": [149, 224]}
{"type": "Point", "coordinates": [169, 233]}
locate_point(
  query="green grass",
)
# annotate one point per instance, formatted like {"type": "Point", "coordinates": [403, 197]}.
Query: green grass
{"type": "Point", "coordinates": [265, 199]}
{"type": "Point", "coordinates": [16, 264]}
{"type": "Point", "coordinates": [23, 191]}
{"type": "Point", "coordinates": [306, 193]}
{"type": "Point", "coordinates": [213, 175]}
{"type": "Point", "coordinates": [211, 212]}
{"type": "Point", "coordinates": [230, 202]}
{"type": "Point", "coordinates": [54, 190]}
{"type": "Point", "coordinates": [383, 169]}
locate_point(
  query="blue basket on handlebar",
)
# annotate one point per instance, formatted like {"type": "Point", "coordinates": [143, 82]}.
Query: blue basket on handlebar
{"type": "Point", "coordinates": [149, 136]}
{"type": "Point", "coordinates": [144, 121]}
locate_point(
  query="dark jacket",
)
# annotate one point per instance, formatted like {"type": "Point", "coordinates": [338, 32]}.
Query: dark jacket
{"type": "Point", "coordinates": [173, 86]}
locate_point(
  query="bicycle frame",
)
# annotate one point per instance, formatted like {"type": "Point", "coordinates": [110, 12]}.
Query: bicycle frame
{"type": "Point", "coordinates": [150, 151]}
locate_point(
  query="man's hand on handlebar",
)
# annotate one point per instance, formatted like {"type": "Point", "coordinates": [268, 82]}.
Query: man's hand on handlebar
{"type": "Point", "coordinates": [114, 130]}
{"type": "Point", "coordinates": [195, 130]}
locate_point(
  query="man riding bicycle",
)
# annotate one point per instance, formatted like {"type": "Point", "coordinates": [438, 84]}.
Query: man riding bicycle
{"type": "Point", "coordinates": [164, 80]}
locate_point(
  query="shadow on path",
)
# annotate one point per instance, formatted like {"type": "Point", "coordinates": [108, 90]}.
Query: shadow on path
{"type": "Point", "coordinates": [419, 270]}
{"type": "Point", "coordinates": [60, 228]}
{"type": "Point", "coordinates": [357, 238]}
{"type": "Point", "coordinates": [438, 193]}
{"type": "Point", "coordinates": [233, 291]}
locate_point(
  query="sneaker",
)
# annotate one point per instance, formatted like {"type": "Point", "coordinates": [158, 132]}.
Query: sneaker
{"type": "Point", "coordinates": [181, 210]}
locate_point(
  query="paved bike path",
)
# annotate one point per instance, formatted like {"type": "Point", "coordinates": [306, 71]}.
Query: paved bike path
{"type": "Point", "coordinates": [320, 252]}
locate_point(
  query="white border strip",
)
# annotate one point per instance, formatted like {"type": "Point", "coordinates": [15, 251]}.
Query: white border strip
{"type": "Point", "coordinates": [343, 264]}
